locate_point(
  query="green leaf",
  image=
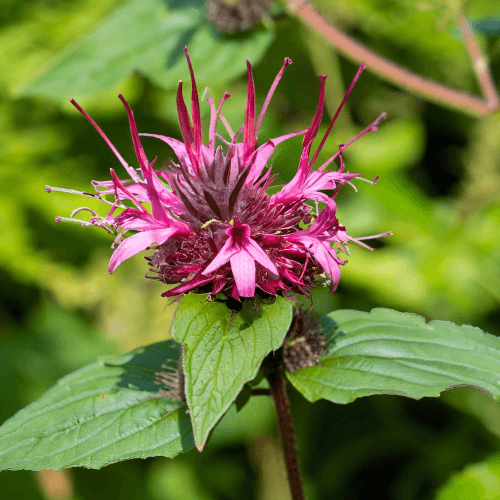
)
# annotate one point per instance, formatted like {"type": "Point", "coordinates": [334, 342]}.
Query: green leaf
{"type": "Point", "coordinates": [216, 58]}
{"type": "Point", "coordinates": [143, 35]}
{"type": "Point", "coordinates": [476, 482]}
{"type": "Point", "coordinates": [243, 397]}
{"type": "Point", "coordinates": [388, 352]}
{"type": "Point", "coordinates": [222, 351]}
{"type": "Point", "coordinates": [108, 411]}
{"type": "Point", "coordinates": [489, 27]}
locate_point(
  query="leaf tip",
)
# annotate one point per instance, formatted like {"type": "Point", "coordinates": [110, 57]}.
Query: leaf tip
{"type": "Point", "coordinates": [200, 446]}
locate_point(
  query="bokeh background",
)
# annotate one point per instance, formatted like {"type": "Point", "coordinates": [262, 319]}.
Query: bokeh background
{"type": "Point", "coordinates": [438, 192]}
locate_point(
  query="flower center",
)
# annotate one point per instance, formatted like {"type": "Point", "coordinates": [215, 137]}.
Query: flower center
{"type": "Point", "coordinates": [239, 233]}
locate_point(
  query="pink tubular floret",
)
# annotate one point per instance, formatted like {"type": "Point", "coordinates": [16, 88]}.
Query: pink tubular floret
{"type": "Point", "coordinates": [249, 139]}
{"type": "Point", "coordinates": [186, 129]}
{"type": "Point", "coordinates": [371, 128]}
{"type": "Point", "coordinates": [207, 218]}
{"type": "Point", "coordinates": [139, 150]}
{"type": "Point", "coordinates": [130, 170]}
{"type": "Point", "coordinates": [287, 62]}
{"type": "Point", "coordinates": [195, 107]}
{"type": "Point", "coordinates": [339, 109]}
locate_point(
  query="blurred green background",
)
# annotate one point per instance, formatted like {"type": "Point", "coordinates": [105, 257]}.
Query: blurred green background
{"type": "Point", "coordinates": [438, 192]}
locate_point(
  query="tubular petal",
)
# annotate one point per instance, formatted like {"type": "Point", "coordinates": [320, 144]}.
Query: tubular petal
{"type": "Point", "coordinates": [260, 160]}
{"type": "Point", "coordinates": [195, 107]}
{"type": "Point", "coordinates": [287, 62]}
{"type": "Point", "coordinates": [186, 129]}
{"type": "Point", "coordinates": [139, 150]}
{"type": "Point", "coordinates": [249, 139]}
{"type": "Point", "coordinates": [197, 281]}
{"type": "Point", "coordinates": [313, 129]}
{"type": "Point", "coordinates": [130, 196]}
{"type": "Point", "coordinates": [260, 256]}
{"type": "Point", "coordinates": [371, 128]}
{"type": "Point", "coordinates": [154, 198]}
{"type": "Point", "coordinates": [138, 242]}
{"type": "Point", "coordinates": [243, 268]}
{"type": "Point", "coordinates": [178, 147]}
{"type": "Point", "coordinates": [339, 109]}
{"type": "Point", "coordinates": [129, 169]}
{"type": "Point", "coordinates": [222, 257]}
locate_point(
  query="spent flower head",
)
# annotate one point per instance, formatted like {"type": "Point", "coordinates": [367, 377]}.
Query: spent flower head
{"type": "Point", "coordinates": [208, 217]}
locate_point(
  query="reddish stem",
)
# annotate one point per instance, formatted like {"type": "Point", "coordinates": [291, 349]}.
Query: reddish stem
{"type": "Point", "coordinates": [261, 392]}
{"type": "Point", "coordinates": [479, 65]}
{"type": "Point", "coordinates": [278, 392]}
{"type": "Point", "coordinates": [403, 77]}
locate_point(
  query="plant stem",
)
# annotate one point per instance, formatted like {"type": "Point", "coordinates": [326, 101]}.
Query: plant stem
{"type": "Point", "coordinates": [403, 77]}
{"type": "Point", "coordinates": [479, 65]}
{"type": "Point", "coordinates": [261, 392]}
{"type": "Point", "coordinates": [278, 392]}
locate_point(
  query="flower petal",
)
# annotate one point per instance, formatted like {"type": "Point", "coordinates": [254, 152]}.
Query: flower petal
{"type": "Point", "coordinates": [136, 220]}
{"type": "Point", "coordinates": [119, 185]}
{"type": "Point", "coordinates": [264, 153]}
{"type": "Point", "coordinates": [178, 147]}
{"type": "Point", "coordinates": [157, 208]}
{"type": "Point", "coordinates": [138, 242]}
{"type": "Point", "coordinates": [108, 187]}
{"type": "Point", "coordinates": [339, 109]}
{"type": "Point", "coordinates": [282, 138]}
{"type": "Point", "coordinates": [197, 281]}
{"type": "Point", "coordinates": [222, 257]}
{"type": "Point", "coordinates": [313, 129]}
{"type": "Point", "coordinates": [271, 92]}
{"type": "Point", "coordinates": [260, 256]}
{"type": "Point", "coordinates": [243, 268]}
{"type": "Point", "coordinates": [186, 128]}
{"type": "Point", "coordinates": [128, 168]}
{"type": "Point", "coordinates": [328, 259]}
{"type": "Point", "coordinates": [195, 107]}
{"type": "Point", "coordinates": [320, 181]}
{"type": "Point", "coordinates": [290, 189]}
{"type": "Point", "coordinates": [139, 150]}
{"type": "Point", "coordinates": [249, 139]}
{"type": "Point", "coordinates": [371, 128]}
{"type": "Point", "coordinates": [261, 158]}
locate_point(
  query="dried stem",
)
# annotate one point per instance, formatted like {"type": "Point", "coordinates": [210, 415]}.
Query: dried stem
{"type": "Point", "coordinates": [403, 77]}
{"type": "Point", "coordinates": [278, 392]}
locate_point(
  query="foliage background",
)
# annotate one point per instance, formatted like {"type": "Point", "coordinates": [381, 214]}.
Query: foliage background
{"type": "Point", "coordinates": [438, 192]}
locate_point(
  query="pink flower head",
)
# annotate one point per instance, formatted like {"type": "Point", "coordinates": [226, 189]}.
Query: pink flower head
{"type": "Point", "coordinates": [208, 216]}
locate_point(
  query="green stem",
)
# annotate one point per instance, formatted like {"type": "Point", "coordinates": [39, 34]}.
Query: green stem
{"type": "Point", "coordinates": [279, 395]}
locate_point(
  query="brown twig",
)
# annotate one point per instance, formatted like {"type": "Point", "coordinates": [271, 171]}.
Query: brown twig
{"type": "Point", "coordinates": [277, 384]}
{"type": "Point", "coordinates": [389, 70]}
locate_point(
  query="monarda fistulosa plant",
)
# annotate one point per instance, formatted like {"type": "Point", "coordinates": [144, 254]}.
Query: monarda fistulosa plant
{"type": "Point", "coordinates": [235, 256]}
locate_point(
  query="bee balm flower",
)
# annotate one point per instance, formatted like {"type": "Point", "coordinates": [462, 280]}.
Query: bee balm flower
{"type": "Point", "coordinates": [212, 224]}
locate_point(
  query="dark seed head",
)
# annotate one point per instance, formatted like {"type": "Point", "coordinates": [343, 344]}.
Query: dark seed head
{"type": "Point", "coordinates": [304, 343]}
